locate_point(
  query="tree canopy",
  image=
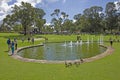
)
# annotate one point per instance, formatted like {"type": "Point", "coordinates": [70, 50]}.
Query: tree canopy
{"type": "Point", "coordinates": [92, 20]}
{"type": "Point", "coordinates": [26, 15]}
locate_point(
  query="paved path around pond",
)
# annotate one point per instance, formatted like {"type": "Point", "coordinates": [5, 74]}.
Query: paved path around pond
{"type": "Point", "coordinates": [109, 51]}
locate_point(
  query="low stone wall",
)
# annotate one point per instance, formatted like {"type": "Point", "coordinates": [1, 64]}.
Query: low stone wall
{"type": "Point", "coordinates": [107, 52]}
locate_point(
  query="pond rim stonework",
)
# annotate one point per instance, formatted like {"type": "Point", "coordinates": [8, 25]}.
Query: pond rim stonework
{"type": "Point", "coordinates": [108, 51]}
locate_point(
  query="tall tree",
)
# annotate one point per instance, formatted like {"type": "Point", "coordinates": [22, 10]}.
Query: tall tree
{"type": "Point", "coordinates": [93, 16]}
{"type": "Point", "coordinates": [118, 14]}
{"type": "Point", "coordinates": [58, 19]}
{"type": "Point", "coordinates": [77, 23]}
{"type": "Point", "coordinates": [68, 26]}
{"type": "Point", "coordinates": [111, 17]}
{"type": "Point", "coordinates": [26, 15]}
{"type": "Point", "coordinates": [38, 18]}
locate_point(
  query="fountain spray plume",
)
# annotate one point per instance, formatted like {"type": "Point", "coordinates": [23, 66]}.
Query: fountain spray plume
{"type": "Point", "coordinates": [87, 40]}
{"type": "Point", "coordinates": [70, 43]}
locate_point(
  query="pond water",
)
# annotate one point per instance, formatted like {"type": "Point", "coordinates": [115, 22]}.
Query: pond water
{"type": "Point", "coordinates": [62, 51]}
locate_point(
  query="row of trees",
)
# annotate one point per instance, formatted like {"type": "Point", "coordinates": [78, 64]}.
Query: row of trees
{"type": "Point", "coordinates": [93, 20]}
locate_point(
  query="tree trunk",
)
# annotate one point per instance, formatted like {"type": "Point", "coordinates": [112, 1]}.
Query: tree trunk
{"type": "Point", "coordinates": [110, 31]}
{"type": "Point", "coordinates": [25, 31]}
{"type": "Point", "coordinates": [39, 30]}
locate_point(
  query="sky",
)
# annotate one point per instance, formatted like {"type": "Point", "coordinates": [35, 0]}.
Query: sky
{"type": "Point", "coordinates": [71, 7]}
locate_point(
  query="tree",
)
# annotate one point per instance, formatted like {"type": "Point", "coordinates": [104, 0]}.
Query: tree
{"type": "Point", "coordinates": [17, 27]}
{"type": "Point", "coordinates": [6, 23]}
{"type": "Point", "coordinates": [77, 23]}
{"type": "Point", "coordinates": [77, 17]}
{"type": "Point", "coordinates": [58, 19]}
{"type": "Point", "coordinates": [68, 26]}
{"type": "Point", "coordinates": [84, 24]}
{"type": "Point", "coordinates": [64, 16]}
{"type": "Point", "coordinates": [111, 16]}
{"type": "Point", "coordinates": [118, 15]}
{"type": "Point", "coordinates": [90, 20]}
{"type": "Point", "coordinates": [25, 14]}
{"type": "Point", "coordinates": [93, 16]}
{"type": "Point", "coordinates": [47, 29]}
{"type": "Point", "coordinates": [38, 18]}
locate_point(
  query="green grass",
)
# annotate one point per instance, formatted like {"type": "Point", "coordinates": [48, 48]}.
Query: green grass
{"type": "Point", "coordinates": [107, 68]}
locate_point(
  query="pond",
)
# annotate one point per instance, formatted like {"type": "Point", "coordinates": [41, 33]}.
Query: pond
{"type": "Point", "coordinates": [62, 51]}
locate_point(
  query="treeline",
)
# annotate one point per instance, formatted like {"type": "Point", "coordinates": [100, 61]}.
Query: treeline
{"type": "Point", "coordinates": [93, 20]}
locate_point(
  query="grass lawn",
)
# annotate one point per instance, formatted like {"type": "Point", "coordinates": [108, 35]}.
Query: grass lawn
{"type": "Point", "coordinates": [107, 68]}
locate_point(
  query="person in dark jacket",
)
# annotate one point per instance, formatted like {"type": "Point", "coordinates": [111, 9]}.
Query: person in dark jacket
{"type": "Point", "coordinates": [111, 41]}
{"type": "Point", "coordinates": [9, 44]}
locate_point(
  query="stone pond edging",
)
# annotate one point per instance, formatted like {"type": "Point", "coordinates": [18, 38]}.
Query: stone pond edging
{"type": "Point", "coordinates": [15, 56]}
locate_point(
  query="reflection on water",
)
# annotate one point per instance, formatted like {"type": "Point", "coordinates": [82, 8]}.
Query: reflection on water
{"type": "Point", "coordinates": [62, 51]}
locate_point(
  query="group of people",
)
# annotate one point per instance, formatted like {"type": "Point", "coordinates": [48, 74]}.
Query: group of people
{"type": "Point", "coordinates": [32, 39]}
{"type": "Point", "coordinates": [12, 45]}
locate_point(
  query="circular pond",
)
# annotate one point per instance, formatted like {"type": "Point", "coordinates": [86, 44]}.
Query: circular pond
{"type": "Point", "coordinates": [62, 51]}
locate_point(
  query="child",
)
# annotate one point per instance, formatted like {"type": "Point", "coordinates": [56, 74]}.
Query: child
{"type": "Point", "coordinates": [12, 47]}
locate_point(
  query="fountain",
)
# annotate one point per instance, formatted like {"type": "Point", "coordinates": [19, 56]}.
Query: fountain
{"type": "Point", "coordinates": [56, 52]}
{"type": "Point", "coordinates": [65, 44]}
{"type": "Point", "coordinates": [101, 40]}
{"type": "Point", "coordinates": [77, 42]}
{"type": "Point", "coordinates": [71, 43]}
{"type": "Point", "coordinates": [87, 41]}
{"type": "Point", "coordinates": [81, 42]}
{"type": "Point", "coordinates": [92, 40]}
{"type": "Point", "coordinates": [98, 40]}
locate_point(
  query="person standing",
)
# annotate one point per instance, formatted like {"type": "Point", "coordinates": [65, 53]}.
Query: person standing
{"type": "Point", "coordinates": [111, 41]}
{"type": "Point", "coordinates": [9, 44]}
{"type": "Point", "coordinates": [28, 39]}
{"type": "Point", "coordinates": [15, 42]}
{"type": "Point", "coordinates": [12, 47]}
{"type": "Point", "coordinates": [32, 40]}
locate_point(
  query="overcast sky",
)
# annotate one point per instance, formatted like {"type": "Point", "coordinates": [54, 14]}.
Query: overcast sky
{"type": "Point", "coordinates": [71, 7]}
